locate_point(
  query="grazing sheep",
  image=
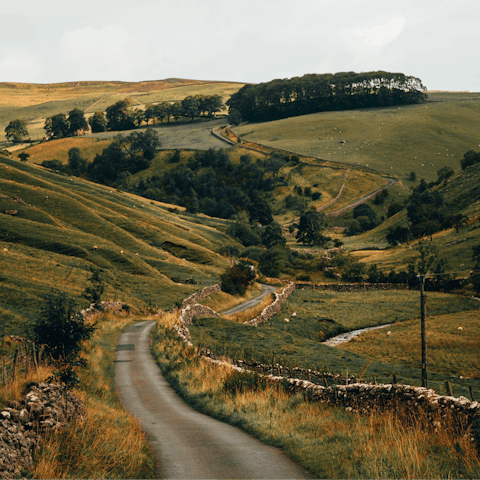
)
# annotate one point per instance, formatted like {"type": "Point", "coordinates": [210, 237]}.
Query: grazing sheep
{"type": "Point", "coordinates": [286, 320]}
{"type": "Point", "coordinates": [94, 248]}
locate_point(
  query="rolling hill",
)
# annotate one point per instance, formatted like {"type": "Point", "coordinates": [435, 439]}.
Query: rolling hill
{"type": "Point", "coordinates": [54, 228]}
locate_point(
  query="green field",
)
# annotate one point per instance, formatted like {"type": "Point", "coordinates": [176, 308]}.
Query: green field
{"type": "Point", "coordinates": [320, 315]}
{"type": "Point", "coordinates": [421, 138]}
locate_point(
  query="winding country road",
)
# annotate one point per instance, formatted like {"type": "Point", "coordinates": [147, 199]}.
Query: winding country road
{"type": "Point", "coordinates": [188, 444]}
{"type": "Point", "coordinates": [267, 289]}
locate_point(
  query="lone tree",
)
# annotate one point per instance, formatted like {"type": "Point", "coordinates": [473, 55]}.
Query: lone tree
{"type": "Point", "coordinates": [60, 326]}
{"type": "Point", "coordinates": [93, 293]}
{"type": "Point", "coordinates": [57, 126]}
{"type": "Point", "coordinates": [16, 130]}
{"type": "Point", "coordinates": [310, 228]}
{"type": "Point", "coordinates": [24, 156]}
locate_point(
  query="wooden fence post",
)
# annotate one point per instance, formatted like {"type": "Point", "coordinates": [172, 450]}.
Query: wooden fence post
{"type": "Point", "coordinates": [15, 360]}
{"type": "Point", "coordinates": [5, 378]}
{"type": "Point", "coordinates": [449, 388]}
{"type": "Point", "coordinates": [35, 360]}
{"type": "Point", "coordinates": [26, 360]}
{"type": "Point", "coordinates": [40, 354]}
{"type": "Point", "coordinates": [471, 393]}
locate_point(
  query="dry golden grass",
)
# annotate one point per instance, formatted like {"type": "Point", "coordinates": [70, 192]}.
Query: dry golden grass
{"type": "Point", "coordinates": [453, 343]}
{"type": "Point", "coordinates": [13, 391]}
{"type": "Point", "coordinates": [58, 149]}
{"type": "Point", "coordinates": [109, 443]}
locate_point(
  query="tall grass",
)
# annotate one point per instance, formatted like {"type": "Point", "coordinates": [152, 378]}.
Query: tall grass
{"type": "Point", "coordinates": [109, 443]}
{"type": "Point", "coordinates": [328, 441]}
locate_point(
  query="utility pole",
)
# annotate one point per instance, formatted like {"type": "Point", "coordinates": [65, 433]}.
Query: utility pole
{"type": "Point", "coordinates": [423, 315]}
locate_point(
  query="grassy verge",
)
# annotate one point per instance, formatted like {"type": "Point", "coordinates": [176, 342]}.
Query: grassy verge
{"type": "Point", "coordinates": [328, 441]}
{"type": "Point", "coordinates": [109, 444]}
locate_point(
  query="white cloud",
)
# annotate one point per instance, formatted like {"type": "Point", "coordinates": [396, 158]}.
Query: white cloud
{"type": "Point", "coordinates": [16, 66]}
{"type": "Point", "coordinates": [107, 53]}
{"type": "Point", "coordinates": [381, 34]}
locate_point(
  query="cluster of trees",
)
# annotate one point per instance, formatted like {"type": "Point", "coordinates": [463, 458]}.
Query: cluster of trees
{"type": "Point", "coordinates": [191, 107]}
{"type": "Point", "coordinates": [60, 125]}
{"type": "Point", "coordinates": [427, 213]}
{"type": "Point", "coordinates": [316, 93]}
{"type": "Point", "coordinates": [470, 158]}
{"type": "Point", "coordinates": [212, 184]}
{"type": "Point", "coordinates": [122, 116]}
{"type": "Point", "coordinates": [123, 157]}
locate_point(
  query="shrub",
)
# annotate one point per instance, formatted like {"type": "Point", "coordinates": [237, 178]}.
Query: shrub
{"type": "Point", "coordinates": [238, 277]}
{"type": "Point", "coordinates": [61, 326]}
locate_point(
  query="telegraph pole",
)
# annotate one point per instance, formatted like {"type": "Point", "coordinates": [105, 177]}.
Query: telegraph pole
{"type": "Point", "coordinates": [423, 315]}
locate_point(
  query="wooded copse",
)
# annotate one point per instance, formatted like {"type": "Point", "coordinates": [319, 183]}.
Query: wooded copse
{"type": "Point", "coordinates": [317, 93]}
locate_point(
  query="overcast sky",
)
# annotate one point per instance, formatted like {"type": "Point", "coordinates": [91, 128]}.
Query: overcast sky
{"type": "Point", "coordinates": [255, 41]}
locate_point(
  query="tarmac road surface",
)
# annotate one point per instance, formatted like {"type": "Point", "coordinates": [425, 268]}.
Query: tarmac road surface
{"type": "Point", "coordinates": [188, 444]}
{"type": "Point", "coordinates": [251, 303]}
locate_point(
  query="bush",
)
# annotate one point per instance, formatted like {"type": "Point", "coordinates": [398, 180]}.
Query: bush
{"type": "Point", "coordinates": [238, 277]}
{"type": "Point", "coordinates": [61, 326]}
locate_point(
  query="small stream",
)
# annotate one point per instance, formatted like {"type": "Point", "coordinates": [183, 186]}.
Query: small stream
{"type": "Point", "coordinates": [346, 337]}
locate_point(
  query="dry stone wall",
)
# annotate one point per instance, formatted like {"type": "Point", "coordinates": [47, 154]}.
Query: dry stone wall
{"type": "Point", "coordinates": [412, 404]}
{"type": "Point", "coordinates": [270, 310]}
{"type": "Point", "coordinates": [43, 408]}
{"type": "Point", "coordinates": [204, 293]}
{"type": "Point", "coordinates": [352, 287]}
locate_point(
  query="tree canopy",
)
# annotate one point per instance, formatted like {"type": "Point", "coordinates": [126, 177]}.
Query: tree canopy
{"type": "Point", "coordinates": [16, 130]}
{"type": "Point", "coordinates": [316, 93]}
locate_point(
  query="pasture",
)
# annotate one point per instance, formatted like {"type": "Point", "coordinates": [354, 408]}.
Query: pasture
{"type": "Point", "coordinates": [421, 138]}
{"type": "Point", "coordinates": [321, 315]}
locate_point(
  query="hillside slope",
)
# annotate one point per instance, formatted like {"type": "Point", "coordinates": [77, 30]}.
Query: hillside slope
{"type": "Point", "coordinates": [50, 224]}
{"type": "Point", "coordinates": [420, 138]}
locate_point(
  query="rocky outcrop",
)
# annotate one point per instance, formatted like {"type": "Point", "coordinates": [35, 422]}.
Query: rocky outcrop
{"type": "Point", "coordinates": [43, 408]}
{"type": "Point", "coordinates": [270, 310]}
